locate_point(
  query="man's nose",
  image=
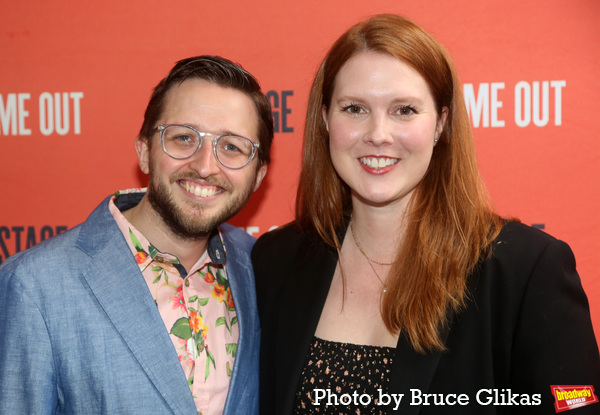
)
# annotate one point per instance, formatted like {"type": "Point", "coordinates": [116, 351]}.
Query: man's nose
{"type": "Point", "coordinates": [204, 161]}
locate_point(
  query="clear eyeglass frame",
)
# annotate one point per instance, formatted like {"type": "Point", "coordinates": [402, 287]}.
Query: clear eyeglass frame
{"type": "Point", "coordinates": [254, 146]}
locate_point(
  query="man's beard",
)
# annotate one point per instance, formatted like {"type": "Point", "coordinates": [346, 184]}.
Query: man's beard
{"type": "Point", "coordinates": [190, 225]}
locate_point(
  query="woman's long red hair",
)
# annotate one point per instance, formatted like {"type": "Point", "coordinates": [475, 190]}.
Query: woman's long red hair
{"type": "Point", "coordinates": [450, 224]}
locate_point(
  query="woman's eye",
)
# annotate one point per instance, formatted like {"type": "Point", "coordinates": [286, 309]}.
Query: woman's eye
{"type": "Point", "coordinates": [406, 110]}
{"type": "Point", "coordinates": [353, 109]}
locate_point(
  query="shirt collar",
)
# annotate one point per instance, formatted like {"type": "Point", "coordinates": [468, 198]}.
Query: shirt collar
{"type": "Point", "coordinates": [216, 248]}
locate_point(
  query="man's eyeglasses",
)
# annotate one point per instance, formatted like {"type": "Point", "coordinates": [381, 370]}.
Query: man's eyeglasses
{"type": "Point", "coordinates": [182, 142]}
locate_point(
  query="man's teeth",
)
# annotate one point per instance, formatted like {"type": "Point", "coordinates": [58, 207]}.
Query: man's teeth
{"type": "Point", "coordinates": [201, 190]}
{"type": "Point", "coordinates": [377, 162]}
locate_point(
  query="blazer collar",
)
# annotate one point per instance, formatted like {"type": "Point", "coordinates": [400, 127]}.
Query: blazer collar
{"type": "Point", "coordinates": [130, 307]}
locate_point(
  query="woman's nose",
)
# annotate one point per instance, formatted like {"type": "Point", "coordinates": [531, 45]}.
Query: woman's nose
{"type": "Point", "coordinates": [379, 130]}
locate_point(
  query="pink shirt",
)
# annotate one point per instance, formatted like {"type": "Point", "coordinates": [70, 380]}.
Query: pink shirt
{"type": "Point", "coordinates": [197, 310]}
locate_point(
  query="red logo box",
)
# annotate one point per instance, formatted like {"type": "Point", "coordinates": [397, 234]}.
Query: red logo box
{"type": "Point", "coordinates": [572, 396]}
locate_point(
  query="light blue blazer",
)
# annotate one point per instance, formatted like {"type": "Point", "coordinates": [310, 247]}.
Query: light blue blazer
{"type": "Point", "coordinates": [80, 332]}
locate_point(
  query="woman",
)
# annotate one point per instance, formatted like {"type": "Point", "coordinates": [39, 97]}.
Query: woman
{"type": "Point", "coordinates": [398, 288]}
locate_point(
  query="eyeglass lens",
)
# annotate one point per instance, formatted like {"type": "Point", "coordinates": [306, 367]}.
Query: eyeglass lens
{"type": "Point", "coordinates": [232, 151]}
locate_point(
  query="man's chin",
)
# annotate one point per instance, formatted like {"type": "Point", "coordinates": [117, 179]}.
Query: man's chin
{"type": "Point", "coordinates": [189, 219]}
{"type": "Point", "coordinates": [190, 223]}
{"type": "Point", "coordinates": [194, 223]}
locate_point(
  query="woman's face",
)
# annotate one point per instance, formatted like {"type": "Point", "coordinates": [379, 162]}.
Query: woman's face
{"type": "Point", "coordinates": [382, 125]}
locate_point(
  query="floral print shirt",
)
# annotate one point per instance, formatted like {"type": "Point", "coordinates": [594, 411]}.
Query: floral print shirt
{"type": "Point", "coordinates": [197, 309]}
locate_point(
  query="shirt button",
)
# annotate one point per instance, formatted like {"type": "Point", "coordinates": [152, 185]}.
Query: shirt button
{"type": "Point", "coordinates": [187, 282]}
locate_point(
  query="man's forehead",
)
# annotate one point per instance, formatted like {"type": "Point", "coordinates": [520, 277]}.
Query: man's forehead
{"type": "Point", "coordinates": [211, 107]}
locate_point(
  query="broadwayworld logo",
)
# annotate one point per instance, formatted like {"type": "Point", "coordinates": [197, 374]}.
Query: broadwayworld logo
{"type": "Point", "coordinates": [572, 396]}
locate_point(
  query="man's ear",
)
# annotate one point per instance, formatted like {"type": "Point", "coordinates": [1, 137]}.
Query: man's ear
{"type": "Point", "coordinates": [143, 153]}
{"type": "Point", "coordinates": [260, 175]}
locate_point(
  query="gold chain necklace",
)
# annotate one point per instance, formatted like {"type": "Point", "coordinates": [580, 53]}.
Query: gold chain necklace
{"type": "Point", "coordinates": [369, 260]}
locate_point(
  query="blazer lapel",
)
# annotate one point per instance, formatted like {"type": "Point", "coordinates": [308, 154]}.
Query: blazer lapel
{"type": "Point", "coordinates": [114, 278]}
{"type": "Point", "coordinates": [310, 278]}
{"type": "Point", "coordinates": [411, 370]}
{"type": "Point", "coordinates": [239, 274]}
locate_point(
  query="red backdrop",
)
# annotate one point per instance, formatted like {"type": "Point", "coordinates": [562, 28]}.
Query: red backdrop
{"type": "Point", "coordinates": [76, 77]}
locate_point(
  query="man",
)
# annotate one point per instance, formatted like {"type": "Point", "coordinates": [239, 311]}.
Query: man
{"type": "Point", "coordinates": [148, 307]}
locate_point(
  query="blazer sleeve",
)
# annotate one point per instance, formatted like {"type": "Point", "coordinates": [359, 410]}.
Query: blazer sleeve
{"type": "Point", "coordinates": [27, 376]}
{"type": "Point", "coordinates": [554, 342]}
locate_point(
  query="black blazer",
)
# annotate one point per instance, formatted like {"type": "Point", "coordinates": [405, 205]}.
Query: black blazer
{"type": "Point", "coordinates": [526, 327]}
